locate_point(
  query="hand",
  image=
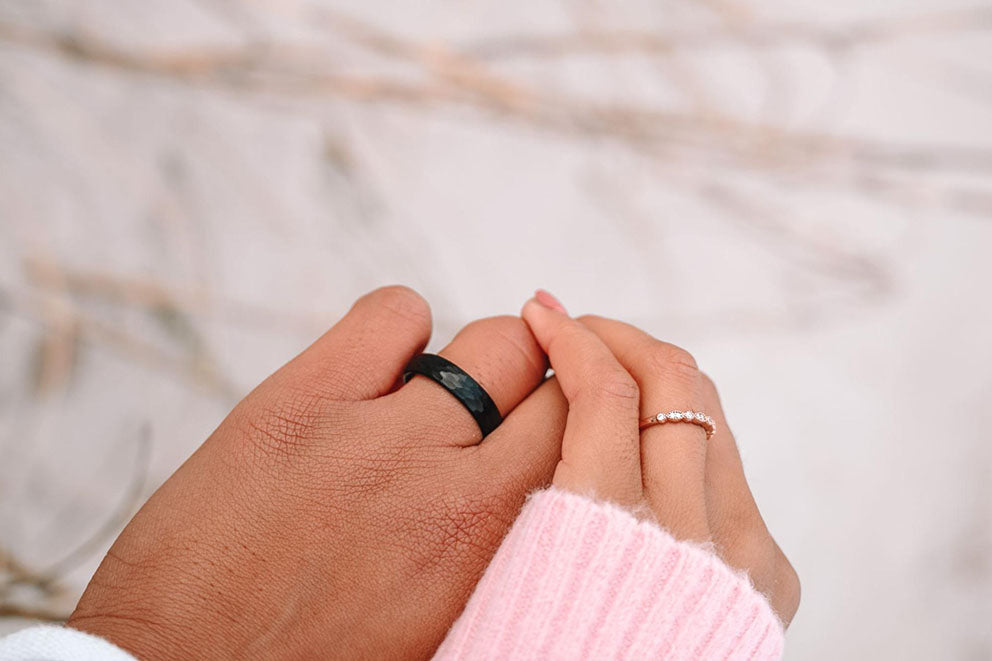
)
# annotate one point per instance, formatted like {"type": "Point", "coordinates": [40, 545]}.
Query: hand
{"type": "Point", "coordinates": [334, 514]}
{"type": "Point", "coordinates": [613, 375]}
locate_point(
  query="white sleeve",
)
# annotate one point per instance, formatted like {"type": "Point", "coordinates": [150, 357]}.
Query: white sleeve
{"type": "Point", "coordinates": [53, 643]}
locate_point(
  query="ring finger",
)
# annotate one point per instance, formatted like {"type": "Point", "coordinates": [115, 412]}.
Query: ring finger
{"type": "Point", "coordinates": [500, 354]}
{"type": "Point", "coordinates": [673, 455]}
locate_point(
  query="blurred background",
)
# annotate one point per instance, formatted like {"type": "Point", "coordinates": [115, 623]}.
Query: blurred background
{"type": "Point", "coordinates": [798, 192]}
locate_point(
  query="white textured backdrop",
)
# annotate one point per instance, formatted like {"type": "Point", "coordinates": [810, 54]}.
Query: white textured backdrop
{"type": "Point", "coordinates": [800, 194]}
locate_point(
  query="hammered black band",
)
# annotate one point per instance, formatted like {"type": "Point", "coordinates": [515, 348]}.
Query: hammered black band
{"type": "Point", "coordinates": [456, 381]}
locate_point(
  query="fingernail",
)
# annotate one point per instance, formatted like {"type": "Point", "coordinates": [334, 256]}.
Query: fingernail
{"type": "Point", "coordinates": [549, 301]}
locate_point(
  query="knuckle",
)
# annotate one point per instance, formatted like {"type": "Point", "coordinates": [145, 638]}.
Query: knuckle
{"type": "Point", "coordinates": [503, 322]}
{"type": "Point", "coordinates": [608, 384]}
{"type": "Point", "coordinates": [768, 556]}
{"type": "Point", "coordinates": [674, 363]}
{"type": "Point", "coordinates": [779, 567]}
{"type": "Point", "coordinates": [511, 328]}
{"type": "Point", "coordinates": [783, 587]}
{"type": "Point", "coordinates": [709, 387]}
{"type": "Point", "coordinates": [510, 333]}
{"type": "Point", "coordinates": [401, 301]}
{"type": "Point", "coordinates": [664, 353]}
{"type": "Point", "coordinates": [589, 319]}
{"type": "Point", "coordinates": [574, 339]}
{"type": "Point", "coordinates": [789, 578]}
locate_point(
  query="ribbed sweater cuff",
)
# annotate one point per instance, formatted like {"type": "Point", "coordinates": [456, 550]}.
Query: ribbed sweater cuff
{"type": "Point", "coordinates": [577, 579]}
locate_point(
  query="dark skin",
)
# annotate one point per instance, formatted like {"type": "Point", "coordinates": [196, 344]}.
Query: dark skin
{"type": "Point", "coordinates": [334, 514]}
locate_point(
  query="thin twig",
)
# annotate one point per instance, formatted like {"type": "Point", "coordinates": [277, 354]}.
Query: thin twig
{"type": "Point", "coordinates": [27, 613]}
{"type": "Point", "coordinates": [745, 34]}
{"type": "Point", "coordinates": [130, 500]}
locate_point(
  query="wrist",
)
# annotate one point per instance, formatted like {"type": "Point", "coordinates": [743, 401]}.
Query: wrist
{"type": "Point", "coordinates": [143, 639]}
{"type": "Point", "coordinates": [157, 611]}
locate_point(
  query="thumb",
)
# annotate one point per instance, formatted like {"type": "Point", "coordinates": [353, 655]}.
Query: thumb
{"type": "Point", "coordinates": [363, 355]}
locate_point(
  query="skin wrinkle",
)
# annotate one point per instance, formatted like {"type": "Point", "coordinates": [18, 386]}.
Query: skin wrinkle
{"type": "Point", "coordinates": [731, 517]}
{"type": "Point", "coordinates": [498, 373]}
{"type": "Point", "coordinates": [488, 349]}
{"type": "Point", "coordinates": [153, 633]}
{"type": "Point", "coordinates": [293, 418]}
{"type": "Point", "coordinates": [610, 389]}
{"type": "Point", "coordinates": [536, 422]}
{"type": "Point", "coordinates": [664, 356]}
{"type": "Point", "coordinates": [599, 380]}
{"type": "Point", "coordinates": [669, 362]}
{"type": "Point", "coordinates": [364, 519]}
{"type": "Point", "coordinates": [523, 342]}
{"type": "Point", "coordinates": [404, 426]}
{"type": "Point", "coordinates": [457, 526]}
{"type": "Point", "coordinates": [337, 384]}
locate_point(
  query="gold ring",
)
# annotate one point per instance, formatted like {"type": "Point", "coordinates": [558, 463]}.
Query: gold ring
{"type": "Point", "coordinates": [691, 417]}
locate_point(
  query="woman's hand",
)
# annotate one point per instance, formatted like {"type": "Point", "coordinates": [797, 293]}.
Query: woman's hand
{"type": "Point", "coordinates": [613, 375]}
{"type": "Point", "coordinates": [332, 514]}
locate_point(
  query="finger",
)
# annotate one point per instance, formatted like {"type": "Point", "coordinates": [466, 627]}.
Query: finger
{"type": "Point", "coordinates": [730, 504]}
{"type": "Point", "coordinates": [522, 453]}
{"type": "Point", "coordinates": [739, 532]}
{"type": "Point", "coordinates": [362, 356]}
{"type": "Point", "coordinates": [500, 354]}
{"type": "Point", "coordinates": [600, 447]}
{"type": "Point", "coordinates": [673, 455]}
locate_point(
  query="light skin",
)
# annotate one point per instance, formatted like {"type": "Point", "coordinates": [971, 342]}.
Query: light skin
{"type": "Point", "coordinates": [335, 514]}
{"type": "Point", "coordinates": [613, 375]}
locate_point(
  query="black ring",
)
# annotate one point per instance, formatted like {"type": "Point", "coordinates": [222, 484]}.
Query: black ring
{"type": "Point", "coordinates": [456, 381]}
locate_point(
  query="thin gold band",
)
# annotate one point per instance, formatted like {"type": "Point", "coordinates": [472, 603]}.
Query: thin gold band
{"type": "Point", "coordinates": [691, 417]}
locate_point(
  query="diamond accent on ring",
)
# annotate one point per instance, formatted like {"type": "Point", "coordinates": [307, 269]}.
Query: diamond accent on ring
{"type": "Point", "coordinates": [697, 418]}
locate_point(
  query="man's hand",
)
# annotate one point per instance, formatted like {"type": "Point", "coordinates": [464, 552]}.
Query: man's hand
{"type": "Point", "coordinates": [334, 514]}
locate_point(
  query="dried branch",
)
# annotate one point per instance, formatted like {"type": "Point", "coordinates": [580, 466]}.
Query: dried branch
{"type": "Point", "coordinates": [455, 78]}
{"type": "Point", "coordinates": [39, 614]}
{"type": "Point", "coordinates": [742, 34]}
{"type": "Point", "coordinates": [125, 509]}
{"type": "Point", "coordinates": [150, 294]}
{"type": "Point", "coordinates": [46, 584]}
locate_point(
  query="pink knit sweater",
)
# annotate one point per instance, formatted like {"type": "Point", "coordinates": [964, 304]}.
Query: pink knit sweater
{"type": "Point", "coordinates": [574, 579]}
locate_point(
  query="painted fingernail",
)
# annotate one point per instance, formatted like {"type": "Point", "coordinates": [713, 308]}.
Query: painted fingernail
{"type": "Point", "coordinates": [549, 301]}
